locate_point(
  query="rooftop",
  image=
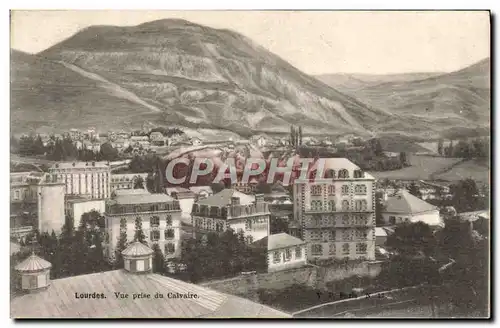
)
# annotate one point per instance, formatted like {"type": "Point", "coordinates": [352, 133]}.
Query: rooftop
{"type": "Point", "coordinates": [139, 196]}
{"type": "Point", "coordinates": [223, 198]}
{"type": "Point", "coordinates": [404, 202]}
{"type": "Point", "coordinates": [79, 165]}
{"type": "Point", "coordinates": [58, 301]}
{"type": "Point", "coordinates": [137, 249]}
{"type": "Point", "coordinates": [280, 240]}
{"type": "Point", "coordinates": [33, 264]}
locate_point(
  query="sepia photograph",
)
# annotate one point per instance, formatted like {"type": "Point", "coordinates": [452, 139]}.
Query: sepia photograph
{"type": "Point", "coordinates": [250, 164]}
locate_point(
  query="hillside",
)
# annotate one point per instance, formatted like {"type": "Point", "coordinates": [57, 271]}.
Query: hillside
{"type": "Point", "coordinates": [446, 104]}
{"type": "Point", "coordinates": [191, 75]}
{"type": "Point", "coordinates": [349, 82]}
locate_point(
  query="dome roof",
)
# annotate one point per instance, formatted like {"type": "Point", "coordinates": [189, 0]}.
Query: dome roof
{"type": "Point", "coordinates": [137, 249]}
{"type": "Point", "coordinates": [32, 264]}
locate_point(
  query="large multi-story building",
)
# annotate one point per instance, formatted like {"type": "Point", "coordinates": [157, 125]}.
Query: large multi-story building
{"type": "Point", "coordinates": [160, 215]}
{"type": "Point", "coordinates": [337, 211]}
{"type": "Point", "coordinates": [37, 200]}
{"type": "Point", "coordinates": [127, 180]}
{"type": "Point", "coordinates": [91, 179]}
{"type": "Point", "coordinates": [232, 209]}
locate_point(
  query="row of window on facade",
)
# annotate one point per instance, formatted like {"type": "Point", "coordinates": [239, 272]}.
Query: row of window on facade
{"type": "Point", "coordinates": [342, 174]}
{"type": "Point", "coordinates": [155, 234]}
{"type": "Point", "coordinates": [347, 235]}
{"type": "Point", "coordinates": [212, 211]}
{"type": "Point", "coordinates": [317, 249]}
{"type": "Point", "coordinates": [331, 220]}
{"type": "Point", "coordinates": [209, 224]}
{"type": "Point", "coordinates": [392, 219]}
{"type": "Point", "coordinates": [317, 190]}
{"type": "Point", "coordinates": [145, 208]}
{"type": "Point", "coordinates": [318, 205]}
{"type": "Point", "coordinates": [287, 255]}
{"type": "Point", "coordinates": [154, 222]}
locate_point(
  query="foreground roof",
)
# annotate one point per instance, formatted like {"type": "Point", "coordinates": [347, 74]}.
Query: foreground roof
{"type": "Point", "coordinates": [139, 196]}
{"type": "Point", "coordinates": [404, 202]}
{"type": "Point", "coordinates": [223, 198]}
{"type": "Point", "coordinates": [59, 301]}
{"type": "Point", "coordinates": [33, 264]}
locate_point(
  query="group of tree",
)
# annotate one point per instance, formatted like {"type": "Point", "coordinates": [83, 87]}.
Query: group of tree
{"type": "Point", "coordinates": [61, 149]}
{"type": "Point", "coordinates": [473, 148]}
{"type": "Point", "coordinates": [455, 258]}
{"type": "Point", "coordinates": [295, 136]}
{"type": "Point", "coordinates": [217, 255]}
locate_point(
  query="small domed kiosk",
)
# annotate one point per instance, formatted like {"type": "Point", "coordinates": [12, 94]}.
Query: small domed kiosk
{"type": "Point", "coordinates": [34, 273]}
{"type": "Point", "coordinates": [138, 258]}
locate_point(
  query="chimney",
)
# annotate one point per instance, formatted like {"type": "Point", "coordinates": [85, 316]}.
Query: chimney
{"type": "Point", "coordinates": [74, 164]}
{"type": "Point", "coordinates": [93, 163]}
{"type": "Point", "coordinates": [235, 201]}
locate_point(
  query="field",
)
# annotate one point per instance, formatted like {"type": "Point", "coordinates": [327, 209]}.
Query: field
{"type": "Point", "coordinates": [474, 169]}
{"type": "Point", "coordinates": [422, 168]}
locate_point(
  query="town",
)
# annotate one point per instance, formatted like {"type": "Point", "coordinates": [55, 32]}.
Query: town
{"type": "Point", "coordinates": [82, 201]}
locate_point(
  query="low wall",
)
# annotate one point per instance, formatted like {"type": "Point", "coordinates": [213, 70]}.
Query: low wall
{"type": "Point", "coordinates": [312, 276]}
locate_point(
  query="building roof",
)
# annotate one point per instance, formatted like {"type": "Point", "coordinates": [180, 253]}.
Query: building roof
{"type": "Point", "coordinates": [198, 189]}
{"type": "Point", "coordinates": [338, 164]}
{"type": "Point", "coordinates": [223, 198]}
{"type": "Point", "coordinates": [137, 249]}
{"type": "Point", "coordinates": [58, 300]}
{"type": "Point", "coordinates": [32, 264]}
{"type": "Point", "coordinates": [79, 165]}
{"type": "Point", "coordinates": [404, 202]}
{"type": "Point", "coordinates": [380, 232]}
{"type": "Point", "coordinates": [139, 196]}
{"type": "Point", "coordinates": [279, 240]}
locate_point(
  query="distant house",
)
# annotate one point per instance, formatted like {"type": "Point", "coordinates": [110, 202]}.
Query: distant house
{"type": "Point", "coordinates": [196, 141]}
{"type": "Point", "coordinates": [283, 251]}
{"type": "Point", "coordinates": [157, 138]}
{"type": "Point", "coordinates": [259, 140]}
{"type": "Point", "coordinates": [402, 206]}
{"type": "Point", "coordinates": [310, 141]}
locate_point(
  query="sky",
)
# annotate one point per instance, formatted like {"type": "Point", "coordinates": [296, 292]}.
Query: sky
{"type": "Point", "coordinates": [316, 42]}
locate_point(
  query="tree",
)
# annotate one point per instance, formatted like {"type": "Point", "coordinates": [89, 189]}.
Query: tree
{"type": "Point", "coordinates": [122, 243]}
{"type": "Point", "coordinates": [158, 260]}
{"type": "Point", "coordinates": [139, 234]}
{"type": "Point", "coordinates": [138, 182]}
{"type": "Point", "coordinates": [217, 187]}
{"type": "Point", "coordinates": [412, 239]}
{"type": "Point", "coordinates": [414, 190]}
{"type": "Point", "coordinates": [465, 196]}
{"type": "Point", "coordinates": [300, 135]}
{"type": "Point", "coordinates": [380, 207]}
{"type": "Point", "coordinates": [402, 158]}
{"type": "Point", "coordinates": [108, 153]}
{"type": "Point", "coordinates": [292, 136]}
{"type": "Point", "coordinates": [440, 147]}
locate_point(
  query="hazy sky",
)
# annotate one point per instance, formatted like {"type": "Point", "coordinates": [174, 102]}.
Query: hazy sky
{"type": "Point", "coordinates": [315, 41]}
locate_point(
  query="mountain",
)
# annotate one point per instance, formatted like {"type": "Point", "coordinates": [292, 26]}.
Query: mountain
{"type": "Point", "coordinates": [176, 72]}
{"type": "Point", "coordinates": [454, 103]}
{"type": "Point", "coordinates": [349, 82]}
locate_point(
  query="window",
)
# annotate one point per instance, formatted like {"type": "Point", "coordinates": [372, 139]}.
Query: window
{"type": "Point", "coordinates": [343, 174]}
{"type": "Point", "coordinates": [155, 235]}
{"type": "Point", "coordinates": [332, 249]}
{"type": "Point", "coordinates": [317, 249]}
{"type": "Point", "coordinates": [169, 233]}
{"type": "Point", "coordinates": [276, 257]}
{"type": "Point", "coordinates": [345, 249]}
{"type": "Point", "coordinates": [316, 205]}
{"type": "Point", "coordinates": [153, 208]}
{"type": "Point", "coordinates": [392, 219]}
{"type": "Point", "coordinates": [315, 235]}
{"type": "Point", "coordinates": [345, 219]}
{"type": "Point", "coordinates": [288, 255]}
{"type": "Point", "coordinates": [361, 234]}
{"type": "Point", "coordinates": [360, 190]}
{"type": "Point", "coordinates": [361, 248]}
{"type": "Point", "coordinates": [358, 174]}
{"type": "Point", "coordinates": [169, 220]}
{"type": "Point", "coordinates": [330, 174]}
{"type": "Point", "coordinates": [17, 194]}
{"type": "Point", "coordinates": [331, 235]}
{"type": "Point", "coordinates": [316, 221]}
{"type": "Point", "coordinates": [331, 190]}
{"type": "Point", "coordinates": [312, 175]}
{"type": "Point", "coordinates": [248, 224]}
{"type": "Point", "coordinates": [345, 190]}
{"type": "Point", "coordinates": [219, 226]}
{"type": "Point", "coordinates": [195, 208]}
{"type": "Point", "coordinates": [154, 221]}
{"type": "Point", "coordinates": [169, 248]}
{"type": "Point", "coordinates": [361, 205]}
{"type": "Point", "coordinates": [331, 205]}
{"type": "Point", "coordinates": [298, 252]}
{"type": "Point", "coordinates": [345, 205]}
{"type": "Point", "coordinates": [346, 235]}
{"type": "Point", "coordinates": [316, 190]}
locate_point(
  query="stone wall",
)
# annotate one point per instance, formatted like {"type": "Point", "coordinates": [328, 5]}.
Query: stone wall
{"type": "Point", "coordinates": [312, 276]}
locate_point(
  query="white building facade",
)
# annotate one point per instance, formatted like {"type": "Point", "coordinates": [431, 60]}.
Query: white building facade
{"type": "Point", "coordinates": [90, 179]}
{"type": "Point", "coordinates": [337, 211]}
